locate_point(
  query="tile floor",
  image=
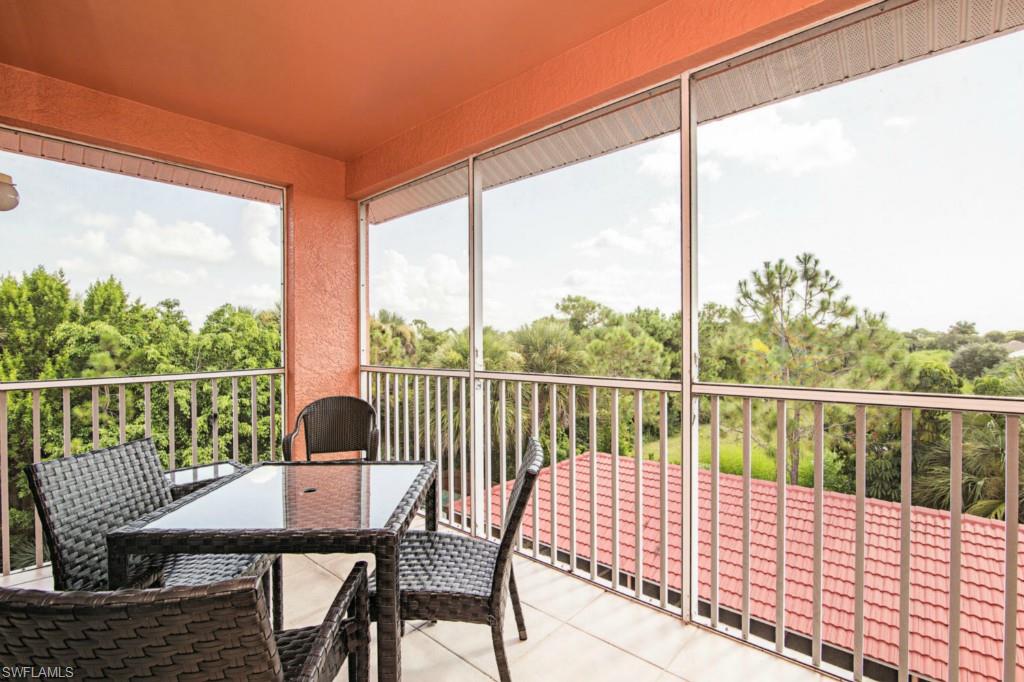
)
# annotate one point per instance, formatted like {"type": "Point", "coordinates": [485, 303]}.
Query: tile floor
{"type": "Point", "coordinates": [576, 632]}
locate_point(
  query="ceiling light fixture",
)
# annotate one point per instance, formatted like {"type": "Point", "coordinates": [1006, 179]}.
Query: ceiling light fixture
{"type": "Point", "coordinates": [8, 193]}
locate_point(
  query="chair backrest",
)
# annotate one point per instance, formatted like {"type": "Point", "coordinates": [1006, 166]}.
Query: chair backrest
{"type": "Point", "coordinates": [338, 424]}
{"type": "Point", "coordinates": [522, 490]}
{"type": "Point", "coordinates": [81, 498]}
{"type": "Point", "coordinates": [219, 631]}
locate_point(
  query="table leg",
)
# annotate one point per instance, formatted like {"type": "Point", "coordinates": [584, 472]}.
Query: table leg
{"type": "Point", "coordinates": [389, 643]}
{"type": "Point", "coordinates": [117, 567]}
{"type": "Point", "coordinates": [432, 505]}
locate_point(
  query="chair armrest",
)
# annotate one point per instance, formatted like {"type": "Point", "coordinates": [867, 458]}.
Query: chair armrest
{"type": "Point", "coordinates": [286, 444]}
{"type": "Point", "coordinates": [325, 656]}
{"type": "Point", "coordinates": [373, 446]}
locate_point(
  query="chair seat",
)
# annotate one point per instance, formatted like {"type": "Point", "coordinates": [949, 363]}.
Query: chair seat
{"type": "Point", "coordinates": [444, 575]}
{"type": "Point", "coordinates": [200, 569]}
{"type": "Point", "coordinates": [294, 646]}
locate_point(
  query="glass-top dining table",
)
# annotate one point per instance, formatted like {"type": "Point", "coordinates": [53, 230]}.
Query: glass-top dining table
{"type": "Point", "coordinates": [347, 506]}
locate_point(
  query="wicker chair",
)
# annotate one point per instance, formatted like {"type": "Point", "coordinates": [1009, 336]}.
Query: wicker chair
{"type": "Point", "coordinates": [220, 631]}
{"type": "Point", "coordinates": [336, 424]}
{"type": "Point", "coordinates": [459, 578]}
{"type": "Point", "coordinates": [81, 498]}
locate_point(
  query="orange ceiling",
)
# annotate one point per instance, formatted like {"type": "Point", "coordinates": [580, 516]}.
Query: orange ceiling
{"type": "Point", "coordinates": [333, 76]}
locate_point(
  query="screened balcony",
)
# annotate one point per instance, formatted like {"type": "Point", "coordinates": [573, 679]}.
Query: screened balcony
{"type": "Point", "coordinates": [487, 250]}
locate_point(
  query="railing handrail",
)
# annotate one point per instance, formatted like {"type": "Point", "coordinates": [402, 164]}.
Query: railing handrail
{"type": "Point", "coordinates": [87, 382]}
{"type": "Point", "coordinates": [900, 399]}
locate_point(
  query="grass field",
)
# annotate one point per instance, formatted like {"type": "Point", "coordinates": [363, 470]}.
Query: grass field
{"type": "Point", "coordinates": [762, 464]}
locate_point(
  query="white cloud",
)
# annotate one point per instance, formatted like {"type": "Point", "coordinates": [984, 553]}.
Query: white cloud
{"type": "Point", "coordinates": [709, 169]}
{"type": "Point", "coordinates": [610, 239]}
{"type": "Point", "coordinates": [662, 162]}
{"type": "Point", "coordinates": [114, 264]}
{"type": "Point", "coordinates": [190, 240]}
{"type": "Point", "coordinates": [902, 122]}
{"type": "Point", "coordinates": [93, 242]}
{"type": "Point", "coordinates": [104, 221]}
{"type": "Point", "coordinates": [178, 278]}
{"type": "Point", "coordinates": [433, 288]}
{"type": "Point", "coordinates": [763, 138]}
{"type": "Point", "coordinates": [261, 224]}
{"type": "Point", "coordinates": [498, 264]}
{"type": "Point", "coordinates": [257, 295]}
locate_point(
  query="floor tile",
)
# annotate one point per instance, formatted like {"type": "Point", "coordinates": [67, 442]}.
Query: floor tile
{"type": "Point", "coordinates": [571, 654]}
{"type": "Point", "coordinates": [424, 660]}
{"type": "Point", "coordinates": [710, 657]}
{"type": "Point", "coordinates": [552, 592]}
{"type": "Point", "coordinates": [309, 591]}
{"type": "Point", "coordinates": [472, 641]}
{"type": "Point", "coordinates": [653, 636]}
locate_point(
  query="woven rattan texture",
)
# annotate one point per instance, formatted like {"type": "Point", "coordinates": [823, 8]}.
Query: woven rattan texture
{"type": "Point", "coordinates": [459, 578]}
{"type": "Point", "coordinates": [336, 424]}
{"type": "Point", "coordinates": [220, 631]}
{"type": "Point", "coordinates": [80, 499]}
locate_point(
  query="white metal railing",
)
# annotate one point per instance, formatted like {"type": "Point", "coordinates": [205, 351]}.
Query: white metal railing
{"type": "Point", "coordinates": [424, 415]}
{"type": "Point", "coordinates": [117, 412]}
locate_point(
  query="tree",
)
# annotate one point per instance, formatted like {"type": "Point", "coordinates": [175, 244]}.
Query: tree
{"type": "Point", "coordinates": [584, 313]}
{"type": "Point", "coordinates": [972, 360]}
{"type": "Point", "coordinates": [801, 319]}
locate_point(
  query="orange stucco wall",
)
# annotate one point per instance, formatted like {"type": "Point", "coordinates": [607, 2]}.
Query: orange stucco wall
{"type": "Point", "coordinates": [321, 234]}
{"type": "Point", "coordinates": [663, 42]}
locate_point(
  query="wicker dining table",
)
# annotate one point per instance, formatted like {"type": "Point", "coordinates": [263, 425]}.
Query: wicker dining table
{"type": "Point", "coordinates": [347, 506]}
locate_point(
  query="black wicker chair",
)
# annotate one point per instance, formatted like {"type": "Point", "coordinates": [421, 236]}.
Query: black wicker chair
{"type": "Point", "coordinates": [220, 631]}
{"type": "Point", "coordinates": [81, 498]}
{"type": "Point", "coordinates": [336, 424]}
{"type": "Point", "coordinates": [452, 577]}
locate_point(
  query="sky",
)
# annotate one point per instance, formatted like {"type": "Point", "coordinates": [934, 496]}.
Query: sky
{"type": "Point", "coordinates": [907, 184]}
{"type": "Point", "coordinates": [162, 241]}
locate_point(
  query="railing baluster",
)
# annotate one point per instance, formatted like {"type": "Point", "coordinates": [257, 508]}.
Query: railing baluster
{"type": "Point", "coordinates": [819, 528]}
{"type": "Point", "coordinates": [387, 417]}
{"type": "Point", "coordinates": [195, 414]}
{"type": "Point", "coordinates": [616, 563]}
{"type": "Point", "coordinates": [488, 478]}
{"type": "Point", "coordinates": [215, 422]}
{"type": "Point", "coordinates": [122, 421]}
{"type": "Point", "coordinates": [593, 483]}
{"type": "Point", "coordinates": [66, 413]}
{"type": "Point", "coordinates": [172, 457]}
{"type": "Point", "coordinates": [426, 418]}
{"type": "Point", "coordinates": [416, 419]}
{"type": "Point", "coordinates": [780, 527]}
{"type": "Point", "coordinates": [406, 455]}
{"type": "Point", "coordinates": [451, 451]}
{"type": "Point", "coordinates": [860, 438]}
{"type": "Point", "coordinates": [715, 468]}
{"type": "Point", "coordinates": [1012, 501]}
{"type": "Point", "coordinates": [663, 505]}
{"type": "Point", "coordinates": [956, 519]}
{"type": "Point", "coordinates": [254, 418]}
{"type": "Point", "coordinates": [95, 417]}
{"type": "Point", "coordinates": [572, 482]}
{"type": "Point", "coordinates": [396, 420]}
{"type": "Point", "coordinates": [273, 418]}
{"type": "Point", "coordinates": [376, 407]}
{"type": "Point", "coordinates": [638, 480]}
{"type": "Point", "coordinates": [745, 596]}
{"type": "Point", "coordinates": [535, 432]}
{"type": "Point", "coordinates": [234, 418]}
{"type": "Point", "coordinates": [439, 451]}
{"type": "Point", "coordinates": [519, 452]}
{"type": "Point", "coordinates": [462, 456]}
{"type": "Point", "coordinates": [906, 492]}
{"type": "Point", "coordinates": [5, 489]}
{"type": "Point", "coordinates": [36, 457]}
{"type": "Point", "coordinates": [503, 442]}
{"type": "Point", "coordinates": [553, 472]}
{"type": "Point", "coordinates": [147, 410]}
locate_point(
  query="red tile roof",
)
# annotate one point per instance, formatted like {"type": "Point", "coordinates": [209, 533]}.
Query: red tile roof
{"type": "Point", "coordinates": [981, 573]}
